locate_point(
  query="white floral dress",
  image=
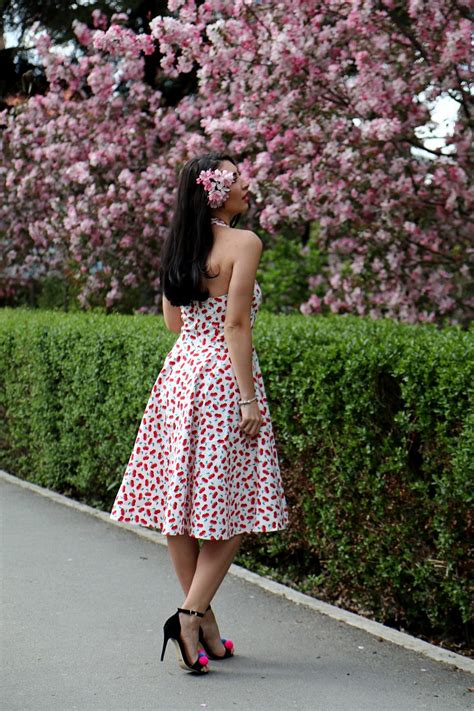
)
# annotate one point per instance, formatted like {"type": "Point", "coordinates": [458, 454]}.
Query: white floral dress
{"type": "Point", "coordinates": [192, 469]}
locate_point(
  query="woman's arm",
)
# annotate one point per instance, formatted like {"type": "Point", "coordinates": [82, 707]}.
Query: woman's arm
{"type": "Point", "coordinates": [172, 315]}
{"type": "Point", "coordinates": [237, 326]}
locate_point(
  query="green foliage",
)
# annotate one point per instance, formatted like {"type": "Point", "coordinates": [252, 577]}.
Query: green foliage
{"type": "Point", "coordinates": [284, 271]}
{"type": "Point", "coordinates": [56, 293]}
{"type": "Point", "coordinates": [373, 422]}
{"type": "Point", "coordinates": [52, 292]}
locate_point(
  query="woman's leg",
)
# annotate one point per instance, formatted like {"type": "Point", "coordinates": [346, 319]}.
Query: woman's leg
{"type": "Point", "coordinates": [183, 551]}
{"type": "Point", "coordinates": [200, 572]}
{"type": "Point", "coordinates": [213, 562]}
{"type": "Point", "coordinates": [210, 565]}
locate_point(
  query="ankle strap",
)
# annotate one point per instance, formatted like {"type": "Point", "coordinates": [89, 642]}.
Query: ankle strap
{"type": "Point", "coordinates": [191, 612]}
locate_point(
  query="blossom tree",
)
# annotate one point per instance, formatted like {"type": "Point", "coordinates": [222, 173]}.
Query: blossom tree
{"type": "Point", "coordinates": [321, 103]}
{"type": "Point", "coordinates": [90, 168]}
{"type": "Point", "coordinates": [322, 98]}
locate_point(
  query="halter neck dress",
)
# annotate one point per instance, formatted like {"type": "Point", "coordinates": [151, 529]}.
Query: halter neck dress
{"type": "Point", "coordinates": [192, 469]}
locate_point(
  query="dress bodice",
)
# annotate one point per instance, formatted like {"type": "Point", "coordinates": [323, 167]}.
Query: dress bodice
{"type": "Point", "coordinates": [204, 320]}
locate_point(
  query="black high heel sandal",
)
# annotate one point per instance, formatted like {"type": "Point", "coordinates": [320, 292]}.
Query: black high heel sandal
{"type": "Point", "coordinates": [172, 629]}
{"type": "Point", "coordinates": [228, 644]}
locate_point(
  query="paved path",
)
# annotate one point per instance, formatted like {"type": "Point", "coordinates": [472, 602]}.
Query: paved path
{"type": "Point", "coordinates": [84, 602]}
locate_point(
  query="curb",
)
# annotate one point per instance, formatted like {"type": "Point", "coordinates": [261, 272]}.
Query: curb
{"type": "Point", "coordinates": [377, 629]}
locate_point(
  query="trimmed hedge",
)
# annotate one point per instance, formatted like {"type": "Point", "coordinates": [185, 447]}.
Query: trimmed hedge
{"type": "Point", "coordinates": [374, 428]}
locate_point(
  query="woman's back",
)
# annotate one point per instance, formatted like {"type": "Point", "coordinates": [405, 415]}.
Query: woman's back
{"type": "Point", "coordinates": [220, 262]}
{"type": "Point", "coordinates": [230, 247]}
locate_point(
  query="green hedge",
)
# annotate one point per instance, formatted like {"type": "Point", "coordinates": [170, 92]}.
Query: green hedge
{"type": "Point", "coordinates": [374, 432]}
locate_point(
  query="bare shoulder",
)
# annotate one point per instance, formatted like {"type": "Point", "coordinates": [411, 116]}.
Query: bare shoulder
{"type": "Point", "coordinates": [244, 252]}
{"type": "Point", "coordinates": [242, 241]}
{"type": "Point", "coordinates": [245, 248]}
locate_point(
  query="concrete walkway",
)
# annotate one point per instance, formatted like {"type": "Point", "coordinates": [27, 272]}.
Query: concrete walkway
{"type": "Point", "coordinates": [84, 602]}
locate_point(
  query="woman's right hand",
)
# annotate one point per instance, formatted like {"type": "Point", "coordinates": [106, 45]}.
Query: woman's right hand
{"type": "Point", "coordinates": [251, 418]}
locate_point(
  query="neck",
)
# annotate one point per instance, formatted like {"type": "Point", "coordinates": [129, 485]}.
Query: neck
{"type": "Point", "coordinates": [218, 221]}
{"type": "Point", "coordinates": [223, 215]}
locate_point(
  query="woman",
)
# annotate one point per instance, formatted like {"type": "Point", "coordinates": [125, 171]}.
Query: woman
{"type": "Point", "coordinates": [204, 464]}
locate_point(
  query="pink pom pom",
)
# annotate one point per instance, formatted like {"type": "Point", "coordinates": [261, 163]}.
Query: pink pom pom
{"type": "Point", "coordinates": [229, 644]}
{"type": "Point", "coordinates": [203, 660]}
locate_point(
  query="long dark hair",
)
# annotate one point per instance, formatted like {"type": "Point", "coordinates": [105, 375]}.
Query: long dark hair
{"type": "Point", "coordinates": [188, 244]}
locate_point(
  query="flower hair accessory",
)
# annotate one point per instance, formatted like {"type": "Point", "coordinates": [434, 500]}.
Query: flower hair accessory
{"type": "Point", "coordinates": [217, 184]}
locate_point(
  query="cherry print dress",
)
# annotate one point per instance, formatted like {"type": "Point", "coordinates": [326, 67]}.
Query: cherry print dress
{"type": "Point", "coordinates": [192, 469]}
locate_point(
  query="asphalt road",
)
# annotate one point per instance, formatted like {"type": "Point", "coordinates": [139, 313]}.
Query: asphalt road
{"type": "Point", "coordinates": [83, 605]}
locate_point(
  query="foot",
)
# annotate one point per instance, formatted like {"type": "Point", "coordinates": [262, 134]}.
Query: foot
{"type": "Point", "coordinates": [190, 636]}
{"type": "Point", "coordinates": [211, 634]}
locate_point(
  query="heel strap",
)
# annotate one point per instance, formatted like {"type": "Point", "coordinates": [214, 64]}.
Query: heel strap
{"type": "Point", "coordinates": [191, 612]}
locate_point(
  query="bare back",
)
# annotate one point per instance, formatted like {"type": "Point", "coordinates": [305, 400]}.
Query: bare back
{"type": "Point", "coordinates": [219, 262]}
{"type": "Point", "coordinates": [228, 249]}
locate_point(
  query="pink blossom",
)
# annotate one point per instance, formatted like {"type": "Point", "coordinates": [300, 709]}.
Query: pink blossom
{"type": "Point", "coordinates": [324, 130]}
{"type": "Point", "coordinates": [217, 185]}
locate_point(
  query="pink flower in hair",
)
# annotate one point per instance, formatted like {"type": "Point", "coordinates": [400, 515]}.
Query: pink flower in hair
{"type": "Point", "coordinates": [217, 185]}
